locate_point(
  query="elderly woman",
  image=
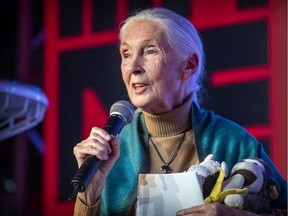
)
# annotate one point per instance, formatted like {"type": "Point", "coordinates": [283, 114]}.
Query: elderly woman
{"type": "Point", "coordinates": [162, 67]}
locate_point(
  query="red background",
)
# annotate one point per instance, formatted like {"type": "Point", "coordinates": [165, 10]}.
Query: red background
{"type": "Point", "coordinates": [207, 15]}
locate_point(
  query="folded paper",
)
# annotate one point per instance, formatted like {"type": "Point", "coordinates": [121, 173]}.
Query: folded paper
{"type": "Point", "coordinates": [165, 194]}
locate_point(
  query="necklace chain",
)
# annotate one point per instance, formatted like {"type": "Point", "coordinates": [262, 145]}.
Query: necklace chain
{"type": "Point", "coordinates": [166, 167]}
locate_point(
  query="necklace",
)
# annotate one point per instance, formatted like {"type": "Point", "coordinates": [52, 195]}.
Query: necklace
{"type": "Point", "coordinates": [166, 167]}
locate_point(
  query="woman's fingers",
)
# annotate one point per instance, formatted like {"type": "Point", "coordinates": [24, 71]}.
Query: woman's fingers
{"type": "Point", "coordinates": [97, 144]}
{"type": "Point", "coordinates": [101, 132]}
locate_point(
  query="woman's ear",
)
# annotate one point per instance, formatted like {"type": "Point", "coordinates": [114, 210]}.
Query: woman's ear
{"type": "Point", "coordinates": [190, 66]}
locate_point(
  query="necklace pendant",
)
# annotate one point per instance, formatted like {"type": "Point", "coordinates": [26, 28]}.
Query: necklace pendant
{"type": "Point", "coordinates": [166, 168]}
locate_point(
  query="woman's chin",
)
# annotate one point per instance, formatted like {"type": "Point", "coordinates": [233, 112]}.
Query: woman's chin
{"type": "Point", "coordinates": [140, 102]}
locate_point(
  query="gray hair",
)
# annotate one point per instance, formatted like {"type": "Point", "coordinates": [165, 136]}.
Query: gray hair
{"type": "Point", "coordinates": [182, 36]}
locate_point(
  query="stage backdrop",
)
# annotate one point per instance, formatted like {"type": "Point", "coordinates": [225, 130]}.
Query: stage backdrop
{"type": "Point", "coordinates": [245, 44]}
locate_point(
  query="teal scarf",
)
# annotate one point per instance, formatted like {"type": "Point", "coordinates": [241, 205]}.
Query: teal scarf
{"type": "Point", "coordinates": [215, 135]}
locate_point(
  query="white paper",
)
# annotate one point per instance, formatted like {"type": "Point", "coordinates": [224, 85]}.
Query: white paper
{"type": "Point", "coordinates": [165, 194]}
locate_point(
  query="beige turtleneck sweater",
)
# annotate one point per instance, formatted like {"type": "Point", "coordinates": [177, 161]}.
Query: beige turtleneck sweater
{"type": "Point", "coordinates": [166, 131]}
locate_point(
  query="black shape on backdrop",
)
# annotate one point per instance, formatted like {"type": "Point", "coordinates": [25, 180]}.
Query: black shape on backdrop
{"type": "Point", "coordinates": [96, 68]}
{"type": "Point", "coordinates": [121, 113]}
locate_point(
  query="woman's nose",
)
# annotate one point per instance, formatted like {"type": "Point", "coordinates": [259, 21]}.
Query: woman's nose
{"type": "Point", "coordinates": [136, 65]}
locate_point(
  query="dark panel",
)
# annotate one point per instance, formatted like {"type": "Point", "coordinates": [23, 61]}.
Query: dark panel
{"type": "Point", "coordinates": [182, 7]}
{"type": "Point", "coordinates": [236, 46]}
{"type": "Point", "coordinates": [70, 17]}
{"type": "Point", "coordinates": [8, 37]}
{"type": "Point", "coordinates": [266, 145]}
{"type": "Point", "coordinates": [245, 104]}
{"type": "Point", "coordinates": [104, 15]}
{"type": "Point", "coordinates": [98, 68]}
{"type": "Point", "coordinates": [135, 5]}
{"type": "Point", "coordinates": [243, 4]}
{"type": "Point", "coordinates": [37, 17]}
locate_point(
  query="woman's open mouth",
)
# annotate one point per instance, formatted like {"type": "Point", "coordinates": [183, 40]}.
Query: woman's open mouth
{"type": "Point", "coordinates": [139, 87]}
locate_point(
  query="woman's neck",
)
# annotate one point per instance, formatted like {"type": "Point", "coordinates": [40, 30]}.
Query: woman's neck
{"type": "Point", "coordinates": [170, 123]}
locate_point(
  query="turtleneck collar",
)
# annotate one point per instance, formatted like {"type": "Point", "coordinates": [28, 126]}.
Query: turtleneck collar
{"type": "Point", "coordinates": [171, 123]}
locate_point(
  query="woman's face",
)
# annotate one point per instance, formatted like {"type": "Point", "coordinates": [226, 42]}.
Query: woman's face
{"type": "Point", "coordinates": [150, 68]}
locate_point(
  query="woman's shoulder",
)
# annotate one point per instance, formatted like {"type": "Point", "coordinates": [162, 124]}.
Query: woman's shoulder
{"type": "Point", "coordinates": [212, 131]}
{"type": "Point", "coordinates": [207, 120]}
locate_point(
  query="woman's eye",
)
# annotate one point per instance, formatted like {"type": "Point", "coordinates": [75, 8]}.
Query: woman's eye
{"type": "Point", "coordinates": [151, 51]}
{"type": "Point", "coordinates": [125, 55]}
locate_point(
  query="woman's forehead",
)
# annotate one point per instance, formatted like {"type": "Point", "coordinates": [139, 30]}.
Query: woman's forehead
{"type": "Point", "coordinates": [144, 32]}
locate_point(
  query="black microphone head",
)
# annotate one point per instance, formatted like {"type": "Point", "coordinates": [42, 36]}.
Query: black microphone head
{"type": "Point", "coordinates": [123, 108]}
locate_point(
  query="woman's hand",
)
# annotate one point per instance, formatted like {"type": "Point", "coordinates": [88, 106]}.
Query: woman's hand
{"type": "Point", "coordinates": [214, 209]}
{"type": "Point", "coordinates": [107, 149]}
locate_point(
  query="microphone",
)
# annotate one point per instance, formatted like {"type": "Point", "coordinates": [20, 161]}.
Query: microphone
{"type": "Point", "coordinates": [121, 113]}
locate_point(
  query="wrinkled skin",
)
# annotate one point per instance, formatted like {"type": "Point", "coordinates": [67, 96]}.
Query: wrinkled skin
{"type": "Point", "coordinates": [214, 209]}
{"type": "Point", "coordinates": [106, 148]}
{"type": "Point", "coordinates": [156, 81]}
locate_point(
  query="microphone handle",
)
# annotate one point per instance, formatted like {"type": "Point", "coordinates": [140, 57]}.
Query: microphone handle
{"type": "Point", "coordinates": [91, 163]}
{"type": "Point", "coordinates": [85, 173]}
